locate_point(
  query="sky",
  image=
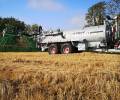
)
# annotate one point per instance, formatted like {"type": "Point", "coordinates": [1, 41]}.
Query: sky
{"type": "Point", "coordinates": [51, 14]}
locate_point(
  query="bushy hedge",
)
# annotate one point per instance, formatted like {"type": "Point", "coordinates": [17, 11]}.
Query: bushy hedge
{"type": "Point", "coordinates": [9, 44]}
{"type": "Point", "coordinates": [17, 49]}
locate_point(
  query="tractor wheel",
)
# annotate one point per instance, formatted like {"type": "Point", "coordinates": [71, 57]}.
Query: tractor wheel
{"type": "Point", "coordinates": [66, 48]}
{"type": "Point", "coordinates": [53, 49]}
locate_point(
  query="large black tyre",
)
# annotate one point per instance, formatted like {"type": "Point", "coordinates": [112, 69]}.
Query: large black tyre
{"type": "Point", "coordinates": [53, 49]}
{"type": "Point", "coordinates": [66, 48]}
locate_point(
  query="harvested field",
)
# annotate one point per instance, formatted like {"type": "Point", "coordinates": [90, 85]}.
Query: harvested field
{"type": "Point", "coordinates": [39, 76]}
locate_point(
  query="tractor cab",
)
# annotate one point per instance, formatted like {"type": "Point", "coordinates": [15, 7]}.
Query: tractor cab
{"type": "Point", "coordinates": [116, 32]}
{"type": "Point", "coordinates": [113, 32]}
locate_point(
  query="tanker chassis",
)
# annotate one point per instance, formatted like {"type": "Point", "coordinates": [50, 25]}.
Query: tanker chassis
{"type": "Point", "coordinates": [104, 38]}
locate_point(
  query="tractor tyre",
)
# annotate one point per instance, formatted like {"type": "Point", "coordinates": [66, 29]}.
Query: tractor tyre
{"type": "Point", "coordinates": [53, 49]}
{"type": "Point", "coordinates": [66, 48]}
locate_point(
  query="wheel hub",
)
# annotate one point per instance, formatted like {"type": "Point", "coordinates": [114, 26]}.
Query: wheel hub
{"type": "Point", "coordinates": [53, 51]}
{"type": "Point", "coordinates": [67, 50]}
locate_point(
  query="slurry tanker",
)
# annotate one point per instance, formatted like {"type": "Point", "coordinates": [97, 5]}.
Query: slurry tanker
{"type": "Point", "coordinates": [101, 38]}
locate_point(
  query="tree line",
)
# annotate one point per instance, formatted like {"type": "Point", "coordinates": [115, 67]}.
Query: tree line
{"type": "Point", "coordinates": [19, 26]}
{"type": "Point", "coordinates": [14, 35]}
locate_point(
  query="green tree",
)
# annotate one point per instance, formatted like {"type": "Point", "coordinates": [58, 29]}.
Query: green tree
{"type": "Point", "coordinates": [96, 13]}
{"type": "Point", "coordinates": [28, 29]}
{"type": "Point", "coordinates": [20, 26]}
{"type": "Point", "coordinates": [35, 28]}
{"type": "Point", "coordinates": [113, 7]}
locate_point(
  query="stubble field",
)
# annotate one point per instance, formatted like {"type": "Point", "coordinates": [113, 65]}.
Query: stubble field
{"type": "Point", "coordinates": [39, 76]}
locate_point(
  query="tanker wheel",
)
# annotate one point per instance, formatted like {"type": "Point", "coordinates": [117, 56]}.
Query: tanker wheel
{"type": "Point", "coordinates": [66, 48]}
{"type": "Point", "coordinates": [53, 49]}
